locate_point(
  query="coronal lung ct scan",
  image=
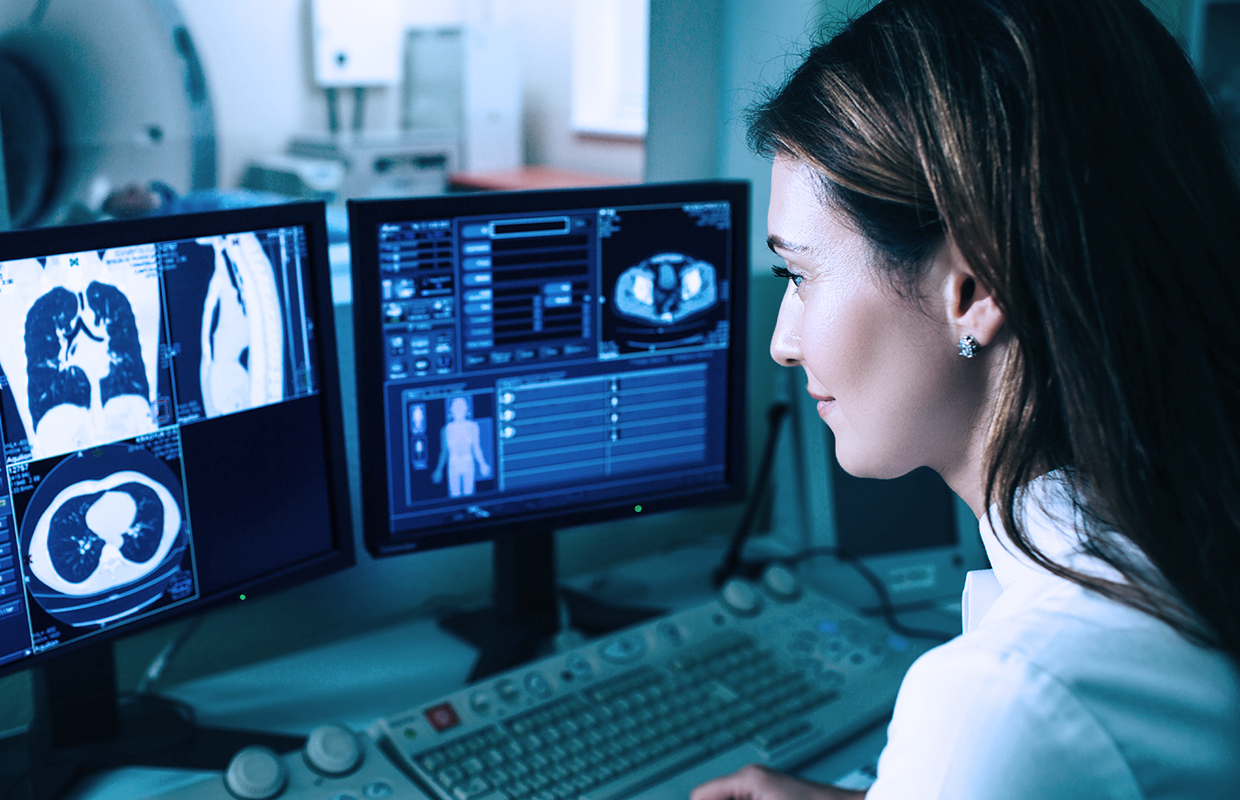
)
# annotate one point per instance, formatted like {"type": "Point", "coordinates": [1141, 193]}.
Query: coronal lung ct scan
{"type": "Point", "coordinates": [79, 342]}
{"type": "Point", "coordinates": [93, 351]}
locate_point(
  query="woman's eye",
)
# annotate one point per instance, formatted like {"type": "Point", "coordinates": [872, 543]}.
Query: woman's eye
{"type": "Point", "coordinates": [781, 271]}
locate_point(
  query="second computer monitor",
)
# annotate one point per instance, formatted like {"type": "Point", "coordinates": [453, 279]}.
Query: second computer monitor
{"type": "Point", "coordinates": [535, 360]}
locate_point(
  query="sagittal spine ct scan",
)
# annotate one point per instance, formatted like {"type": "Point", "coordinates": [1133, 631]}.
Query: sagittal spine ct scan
{"type": "Point", "coordinates": [107, 358]}
{"type": "Point", "coordinates": [242, 344]}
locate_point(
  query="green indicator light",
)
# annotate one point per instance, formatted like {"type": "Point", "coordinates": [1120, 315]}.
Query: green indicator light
{"type": "Point", "coordinates": [638, 509]}
{"type": "Point", "coordinates": [242, 597]}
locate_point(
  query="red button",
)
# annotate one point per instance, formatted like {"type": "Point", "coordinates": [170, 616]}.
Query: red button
{"type": "Point", "coordinates": [442, 717]}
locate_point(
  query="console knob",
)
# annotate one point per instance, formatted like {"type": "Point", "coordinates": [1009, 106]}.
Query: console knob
{"type": "Point", "coordinates": [256, 773]}
{"type": "Point", "coordinates": [740, 596]}
{"type": "Point", "coordinates": [333, 750]}
{"type": "Point", "coordinates": [781, 581]}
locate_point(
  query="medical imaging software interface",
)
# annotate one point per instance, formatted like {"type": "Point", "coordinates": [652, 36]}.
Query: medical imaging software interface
{"type": "Point", "coordinates": [124, 373]}
{"type": "Point", "coordinates": [544, 361]}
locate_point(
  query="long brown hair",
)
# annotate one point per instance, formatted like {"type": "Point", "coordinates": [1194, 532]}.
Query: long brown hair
{"type": "Point", "coordinates": [1068, 149]}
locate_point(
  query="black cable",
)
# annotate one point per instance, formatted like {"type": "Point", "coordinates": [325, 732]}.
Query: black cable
{"type": "Point", "coordinates": [884, 599]}
{"type": "Point", "coordinates": [731, 563]}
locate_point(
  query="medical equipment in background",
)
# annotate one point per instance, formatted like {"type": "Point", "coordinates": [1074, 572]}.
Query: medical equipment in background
{"type": "Point", "coordinates": [333, 167]}
{"type": "Point", "coordinates": [95, 97]}
{"type": "Point", "coordinates": [459, 109]}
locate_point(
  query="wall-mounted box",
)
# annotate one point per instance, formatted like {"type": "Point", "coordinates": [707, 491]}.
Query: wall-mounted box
{"type": "Point", "coordinates": [357, 43]}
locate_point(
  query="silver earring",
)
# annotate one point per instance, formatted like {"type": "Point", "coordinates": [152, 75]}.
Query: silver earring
{"type": "Point", "coordinates": [967, 346]}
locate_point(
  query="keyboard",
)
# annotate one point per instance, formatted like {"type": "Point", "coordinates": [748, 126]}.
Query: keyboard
{"type": "Point", "coordinates": [771, 673]}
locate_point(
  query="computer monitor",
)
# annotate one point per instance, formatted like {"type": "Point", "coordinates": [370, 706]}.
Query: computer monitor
{"type": "Point", "coordinates": [913, 533]}
{"type": "Point", "coordinates": [171, 421]}
{"type": "Point", "coordinates": [535, 360]}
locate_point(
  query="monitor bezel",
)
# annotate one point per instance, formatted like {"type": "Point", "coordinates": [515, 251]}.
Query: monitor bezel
{"type": "Point", "coordinates": [311, 216]}
{"type": "Point", "coordinates": [366, 215]}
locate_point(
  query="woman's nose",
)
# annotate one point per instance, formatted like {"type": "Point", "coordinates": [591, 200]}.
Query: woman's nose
{"type": "Point", "coordinates": [786, 339]}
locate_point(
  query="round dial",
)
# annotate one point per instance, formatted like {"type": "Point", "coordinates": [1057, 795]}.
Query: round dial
{"type": "Point", "coordinates": [333, 750]}
{"type": "Point", "coordinates": [256, 773]}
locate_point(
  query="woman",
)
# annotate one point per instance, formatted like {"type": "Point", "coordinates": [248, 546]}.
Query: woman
{"type": "Point", "coordinates": [1012, 244]}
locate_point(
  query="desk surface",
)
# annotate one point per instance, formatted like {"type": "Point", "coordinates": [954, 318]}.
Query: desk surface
{"type": "Point", "coordinates": [357, 680]}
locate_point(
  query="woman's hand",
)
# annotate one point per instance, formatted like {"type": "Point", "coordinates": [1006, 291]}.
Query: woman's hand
{"type": "Point", "coordinates": [759, 783]}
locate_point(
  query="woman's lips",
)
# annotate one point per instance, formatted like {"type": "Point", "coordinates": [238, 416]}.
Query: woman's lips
{"type": "Point", "coordinates": [825, 404]}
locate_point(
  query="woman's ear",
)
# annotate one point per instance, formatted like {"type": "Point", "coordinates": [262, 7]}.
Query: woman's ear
{"type": "Point", "coordinates": [971, 308]}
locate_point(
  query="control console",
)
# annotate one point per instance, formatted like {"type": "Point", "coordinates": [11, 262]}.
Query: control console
{"type": "Point", "coordinates": [770, 672]}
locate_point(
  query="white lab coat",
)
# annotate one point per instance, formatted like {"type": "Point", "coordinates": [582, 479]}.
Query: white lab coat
{"type": "Point", "coordinates": [1055, 692]}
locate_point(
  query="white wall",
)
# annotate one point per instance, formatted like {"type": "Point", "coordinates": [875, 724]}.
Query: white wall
{"type": "Point", "coordinates": [257, 60]}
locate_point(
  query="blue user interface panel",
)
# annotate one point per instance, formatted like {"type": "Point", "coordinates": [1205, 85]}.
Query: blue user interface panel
{"type": "Point", "coordinates": [538, 365]}
{"type": "Point", "coordinates": [142, 388]}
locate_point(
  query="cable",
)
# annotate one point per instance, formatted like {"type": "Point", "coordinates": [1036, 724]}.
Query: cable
{"type": "Point", "coordinates": [731, 563]}
{"type": "Point", "coordinates": [159, 664]}
{"type": "Point", "coordinates": [884, 599]}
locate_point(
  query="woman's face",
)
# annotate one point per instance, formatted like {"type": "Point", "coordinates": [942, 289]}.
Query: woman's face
{"type": "Point", "coordinates": [883, 368]}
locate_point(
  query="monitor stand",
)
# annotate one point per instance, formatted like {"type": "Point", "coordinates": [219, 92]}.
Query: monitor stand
{"type": "Point", "coordinates": [81, 725]}
{"type": "Point", "coordinates": [524, 617]}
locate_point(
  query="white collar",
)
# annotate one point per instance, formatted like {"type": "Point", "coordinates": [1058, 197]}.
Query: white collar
{"type": "Point", "coordinates": [1051, 522]}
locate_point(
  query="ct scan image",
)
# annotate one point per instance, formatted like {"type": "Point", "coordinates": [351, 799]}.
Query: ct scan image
{"type": "Point", "coordinates": [661, 281]}
{"type": "Point", "coordinates": [226, 317]}
{"type": "Point", "coordinates": [79, 344]}
{"type": "Point", "coordinates": [104, 536]}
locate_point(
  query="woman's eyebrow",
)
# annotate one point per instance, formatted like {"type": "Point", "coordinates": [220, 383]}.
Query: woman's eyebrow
{"type": "Point", "coordinates": [773, 241]}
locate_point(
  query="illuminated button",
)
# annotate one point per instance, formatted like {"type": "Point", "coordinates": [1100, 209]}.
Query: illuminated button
{"type": "Point", "coordinates": [377, 790]}
{"type": "Point", "coordinates": [624, 650]}
{"type": "Point", "coordinates": [480, 701]}
{"type": "Point", "coordinates": [507, 690]}
{"type": "Point", "coordinates": [538, 685]}
{"type": "Point", "coordinates": [579, 665]}
{"type": "Point", "coordinates": [442, 717]}
{"type": "Point", "coordinates": [671, 633]}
